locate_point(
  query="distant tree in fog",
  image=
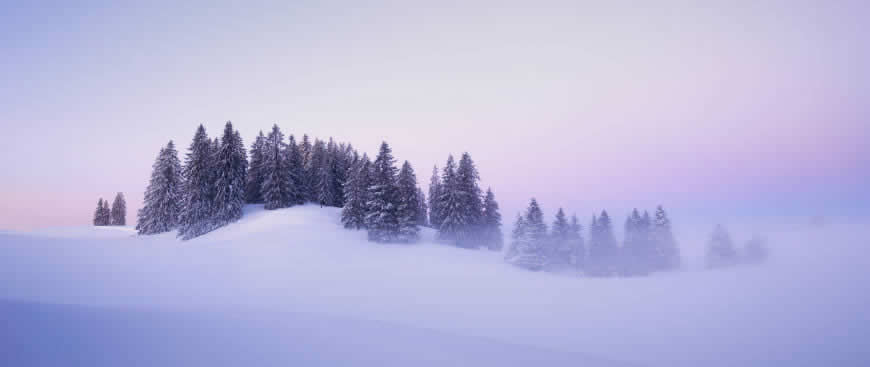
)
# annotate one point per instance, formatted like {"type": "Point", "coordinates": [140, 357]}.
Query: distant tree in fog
{"type": "Point", "coordinates": [666, 253]}
{"type": "Point", "coordinates": [755, 251]}
{"type": "Point", "coordinates": [491, 224]}
{"type": "Point", "coordinates": [560, 247]}
{"type": "Point", "coordinates": [119, 211]}
{"type": "Point", "coordinates": [720, 249]}
{"type": "Point", "coordinates": [603, 252]}
{"type": "Point", "coordinates": [408, 202]}
{"type": "Point", "coordinates": [529, 248]}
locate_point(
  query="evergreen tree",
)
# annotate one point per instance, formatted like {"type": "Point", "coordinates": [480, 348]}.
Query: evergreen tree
{"type": "Point", "coordinates": [518, 239]}
{"type": "Point", "coordinates": [576, 237]}
{"type": "Point", "coordinates": [382, 219]}
{"type": "Point", "coordinates": [297, 173]}
{"type": "Point", "coordinates": [230, 176]}
{"type": "Point", "coordinates": [309, 170]}
{"type": "Point", "coordinates": [422, 209]}
{"type": "Point", "coordinates": [322, 162]}
{"type": "Point", "coordinates": [471, 204]}
{"type": "Point", "coordinates": [492, 236]}
{"type": "Point", "coordinates": [98, 214]}
{"type": "Point", "coordinates": [434, 199]}
{"type": "Point", "coordinates": [755, 251]}
{"type": "Point", "coordinates": [450, 205]}
{"type": "Point", "coordinates": [560, 249]}
{"type": "Point", "coordinates": [666, 254]}
{"type": "Point", "coordinates": [198, 176]}
{"type": "Point", "coordinates": [277, 189]}
{"type": "Point", "coordinates": [634, 258]}
{"type": "Point", "coordinates": [531, 252]}
{"type": "Point", "coordinates": [408, 205]}
{"type": "Point", "coordinates": [720, 249]}
{"type": "Point", "coordinates": [353, 214]}
{"type": "Point", "coordinates": [603, 252]}
{"type": "Point", "coordinates": [254, 179]}
{"type": "Point", "coordinates": [119, 211]}
{"type": "Point", "coordinates": [162, 207]}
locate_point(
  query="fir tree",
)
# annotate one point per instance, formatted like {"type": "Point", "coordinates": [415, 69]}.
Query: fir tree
{"type": "Point", "coordinates": [295, 166]}
{"type": "Point", "coordinates": [198, 176]}
{"type": "Point", "coordinates": [277, 190]}
{"type": "Point", "coordinates": [576, 236]}
{"type": "Point", "coordinates": [322, 162]}
{"type": "Point", "coordinates": [230, 174]}
{"type": "Point", "coordinates": [119, 211]}
{"type": "Point", "coordinates": [408, 205]}
{"type": "Point", "coordinates": [560, 246]}
{"type": "Point", "coordinates": [98, 214]}
{"type": "Point", "coordinates": [531, 250]}
{"type": "Point", "coordinates": [755, 251]}
{"type": "Point", "coordinates": [254, 179]}
{"type": "Point", "coordinates": [635, 257]}
{"type": "Point", "coordinates": [666, 254]}
{"type": "Point", "coordinates": [450, 205]}
{"type": "Point", "coordinates": [422, 209]}
{"type": "Point", "coordinates": [492, 236]}
{"type": "Point", "coordinates": [471, 204]}
{"type": "Point", "coordinates": [603, 252]}
{"type": "Point", "coordinates": [309, 170]}
{"type": "Point", "coordinates": [162, 207]}
{"type": "Point", "coordinates": [720, 249]}
{"type": "Point", "coordinates": [382, 219]}
{"type": "Point", "coordinates": [518, 238]}
{"type": "Point", "coordinates": [434, 199]}
{"type": "Point", "coordinates": [353, 214]}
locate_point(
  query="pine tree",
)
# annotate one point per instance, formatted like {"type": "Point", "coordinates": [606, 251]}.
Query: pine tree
{"type": "Point", "coordinates": [309, 170]}
{"type": "Point", "coordinates": [198, 173]}
{"type": "Point", "coordinates": [518, 239]}
{"type": "Point", "coordinates": [434, 199]}
{"type": "Point", "coordinates": [531, 250]}
{"type": "Point", "coordinates": [560, 249]}
{"type": "Point", "coordinates": [408, 205]}
{"type": "Point", "coordinates": [450, 205]}
{"type": "Point", "coordinates": [230, 175]}
{"type": "Point", "coordinates": [162, 207]}
{"type": "Point", "coordinates": [755, 251]}
{"type": "Point", "coordinates": [297, 174]}
{"type": "Point", "coordinates": [382, 219]}
{"type": "Point", "coordinates": [666, 254]}
{"type": "Point", "coordinates": [492, 236]}
{"type": "Point", "coordinates": [353, 214]}
{"type": "Point", "coordinates": [106, 214]}
{"type": "Point", "coordinates": [471, 204]}
{"type": "Point", "coordinates": [322, 162]}
{"type": "Point", "coordinates": [119, 210]}
{"type": "Point", "coordinates": [254, 179]}
{"type": "Point", "coordinates": [576, 236]}
{"type": "Point", "coordinates": [720, 249]}
{"type": "Point", "coordinates": [422, 209]}
{"type": "Point", "coordinates": [277, 190]}
{"type": "Point", "coordinates": [603, 252]}
{"type": "Point", "coordinates": [633, 255]}
{"type": "Point", "coordinates": [98, 214]}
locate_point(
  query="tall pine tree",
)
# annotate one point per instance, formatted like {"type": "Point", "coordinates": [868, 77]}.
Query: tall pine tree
{"type": "Point", "coordinates": [467, 179]}
{"type": "Point", "coordinates": [434, 199]}
{"type": "Point", "coordinates": [382, 219]}
{"type": "Point", "coordinates": [254, 179]}
{"type": "Point", "coordinates": [491, 223]}
{"type": "Point", "coordinates": [603, 252]}
{"type": "Point", "coordinates": [119, 210]}
{"type": "Point", "coordinates": [560, 246]}
{"type": "Point", "coordinates": [162, 207]}
{"type": "Point", "coordinates": [530, 250]}
{"type": "Point", "coordinates": [198, 173]}
{"type": "Point", "coordinates": [277, 189]}
{"type": "Point", "coordinates": [666, 254]}
{"type": "Point", "coordinates": [230, 174]}
{"type": "Point", "coordinates": [356, 196]}
{"type": "Point", "coordinates": [408, 205]}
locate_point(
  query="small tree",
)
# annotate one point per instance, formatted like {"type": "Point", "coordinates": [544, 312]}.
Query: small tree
{"type": "Point", "coordinates": [755, 251]}
{"type": "Point", "coordinates": [720, 249]}
{"type": "Point", "coordinates": [99, 215]}
{"type": "Point", "coordinates": [492, 236]}
{"type": "Point", "coordinates": [530, 249]}
{"type": "Point", "coordinates": [119, 210]}
{"type": "Point", "coordinates": [408, 205]}
{"type": "Point", "coordinates": [560, 251]}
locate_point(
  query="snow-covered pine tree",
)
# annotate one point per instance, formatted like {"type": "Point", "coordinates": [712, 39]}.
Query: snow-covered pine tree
{"type": "Point", "coordinates": [323, 161]}
{"type": "Point", "coordinates": [295, 166]}
{"type": "Point", "coordinates": [492, 236]}
{"type": "Point", "coordinates": [632, 259]}
{"type": "Point", "coordinates": [408, 205]}
{"type": "Point", "coordinates": [531, 250]}
{"type": "Point", "coordinates": [434, 199]}
{"type": "Point", "coordinates": [603, 252]}
{"type": "Point", "coordinates": [277, 191]}
{"type": "Point", "coordinates": [309, 170]}
{"type": "Point", "coordinates": [198, 194]}
{"type": "Point", "coordinates": [254, 179]}
{"type": "Point", "coordinates": [518, 238]}
{"type": "Point", "coordinates": [163, 196]}
{"type": "Point", "coordinates": [119, 210]}
{"type": "Point", "coordinates": [467, 179]}
{"type": "Point", "coordinates": [422, 209]}
{"type": "Point", "coordinates": [560, 246]}
{"type": "Point", "coordinates": [353, 214]}
{"type": "Point", "coordinates": [450, 205]}
{"type": "Point", "coordinates": [230, 174]}
{"type": "Point", "coordinates": [666, 253]}
{"type": "Point", "coordinates": [382, 219]}
{"type": "Point", "coordinates": [98, 214]}
{"type": "Point", "coordinates": [339, 166]}
{"type": "Point", "coordinates": [720, 249]}
{"type": "Point", "coordinates": [106, 214]}
{"type": "Point", "coordinates": [576, 230]}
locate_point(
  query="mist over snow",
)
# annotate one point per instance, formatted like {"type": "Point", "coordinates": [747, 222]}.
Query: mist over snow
{"type": "Point", "coordinates": [292, 286]}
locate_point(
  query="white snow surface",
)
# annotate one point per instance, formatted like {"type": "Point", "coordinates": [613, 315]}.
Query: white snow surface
{"type": "Point", "coordinates": [292, 287]}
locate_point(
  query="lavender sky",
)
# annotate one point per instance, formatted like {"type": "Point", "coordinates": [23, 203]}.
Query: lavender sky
{"type": "Point", "coordinates": [717, 110]}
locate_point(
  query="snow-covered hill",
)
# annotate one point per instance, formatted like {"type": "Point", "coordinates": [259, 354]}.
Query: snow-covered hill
{"type": "Point", "coordinates": [291, 285]}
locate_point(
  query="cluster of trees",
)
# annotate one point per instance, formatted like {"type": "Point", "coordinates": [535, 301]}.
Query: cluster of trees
{"type": "Point", "coordinates": [383, 200]}
{"type": "Point", "coordinates": [648, 246]}
{"type": "Point", "coordinates": [216, 180]}
{"type": "Point", "coordinates": [721, 251]}
{"type": "Point", "coordinates": [114, 216]}
{"type": "Point", "coordinates": [459, 210]}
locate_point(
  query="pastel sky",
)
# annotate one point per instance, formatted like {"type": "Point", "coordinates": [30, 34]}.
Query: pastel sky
{"type": "Point", "coordinates": [715, 109]}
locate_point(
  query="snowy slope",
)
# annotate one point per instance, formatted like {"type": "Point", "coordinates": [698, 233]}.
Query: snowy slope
{"type": "Point", "coordinates": [298, 267]}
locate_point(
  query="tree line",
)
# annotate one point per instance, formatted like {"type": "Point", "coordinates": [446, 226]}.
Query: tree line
{"type": "Point", "coordinates": [722, 252]}
{"type": "Point", "coordinates": [648, 245]}
{"type": "Point", "coordinates": [114, 216]}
